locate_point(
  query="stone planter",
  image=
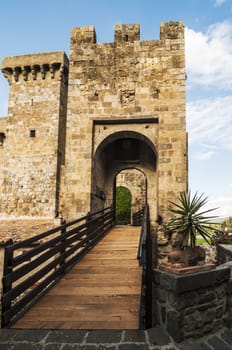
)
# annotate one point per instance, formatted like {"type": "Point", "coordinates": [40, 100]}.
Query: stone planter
{"type": "Point", "coordinates": [191, 305]}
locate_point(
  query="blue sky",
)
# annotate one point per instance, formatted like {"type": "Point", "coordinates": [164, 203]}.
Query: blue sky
{"type": "Point", "coordinates": [31, 26]}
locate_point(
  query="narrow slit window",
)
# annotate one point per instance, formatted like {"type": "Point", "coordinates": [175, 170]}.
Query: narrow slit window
{"type": "Point", "coordinates": [2, 137]}
{"type": "Point", "coordinates": [32, 133]}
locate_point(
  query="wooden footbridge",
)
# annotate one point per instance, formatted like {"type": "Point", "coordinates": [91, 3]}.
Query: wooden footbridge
{"type": "Point", "coordinates": [86, 274]}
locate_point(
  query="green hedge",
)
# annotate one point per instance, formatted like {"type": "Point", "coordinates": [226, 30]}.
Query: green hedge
{"type": "Point", "coordinates": [123, 206]}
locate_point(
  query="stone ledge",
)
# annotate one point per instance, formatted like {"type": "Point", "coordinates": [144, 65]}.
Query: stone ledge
{"type": "Point", "coordinates": [37, 58]}
{"type": "Point", "coordinates": [184, 283]}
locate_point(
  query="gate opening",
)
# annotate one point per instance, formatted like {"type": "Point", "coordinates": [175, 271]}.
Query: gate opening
{"type": "Point", "coordinates": [122, 206]}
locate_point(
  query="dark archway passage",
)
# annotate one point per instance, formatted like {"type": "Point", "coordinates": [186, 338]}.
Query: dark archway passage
{"type": "Point", "coordinates": [122, 151]}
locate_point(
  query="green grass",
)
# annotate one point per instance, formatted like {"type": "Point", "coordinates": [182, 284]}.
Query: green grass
{"type": "Point", "coordinates": [215, 226]}
{"type": "Point", "coordinates": [200, 240]}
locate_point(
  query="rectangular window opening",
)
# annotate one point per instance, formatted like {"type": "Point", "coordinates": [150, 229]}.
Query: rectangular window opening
{"type": "Point", "coordinates": [32, 133]}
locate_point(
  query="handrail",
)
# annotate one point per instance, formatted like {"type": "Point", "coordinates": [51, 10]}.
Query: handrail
{"type": "Point", "coordinates": [31, 240]}
{"type": "Point", "coordinates": [137, 217]}
{"type": "Point", "coordinates": [143, 236]}
{"type": "Point", "coordinates": [41, 264]}
{"type": "Point", "coordinates": [145, 260]}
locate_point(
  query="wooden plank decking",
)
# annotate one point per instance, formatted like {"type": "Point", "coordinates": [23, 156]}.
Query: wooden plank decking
{"type": "Point", "coordinates": [101, 292]}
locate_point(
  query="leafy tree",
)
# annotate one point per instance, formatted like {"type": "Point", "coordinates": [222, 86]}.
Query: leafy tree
{"type": "Point", "coordinates": [227, 222]}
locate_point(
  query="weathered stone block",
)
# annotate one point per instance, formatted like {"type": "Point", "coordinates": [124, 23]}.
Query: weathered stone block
{"type": "Point", "coordinates": [174, 325]}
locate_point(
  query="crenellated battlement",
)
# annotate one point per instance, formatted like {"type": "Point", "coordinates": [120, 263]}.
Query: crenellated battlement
{"type": "Point", "coordinates": [52, 65]}
{"type": "Point", "coordinates": [83, 35]}
{"type": "Point", "coordinates": [171, 30]}
{"type": "Point", "coordinates": [126, 33]}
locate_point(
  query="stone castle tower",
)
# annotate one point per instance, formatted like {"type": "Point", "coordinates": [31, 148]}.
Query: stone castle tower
{"type": "Point", "coordinates": [74, 124]}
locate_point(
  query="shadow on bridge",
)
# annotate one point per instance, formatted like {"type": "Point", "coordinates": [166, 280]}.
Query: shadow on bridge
{"type": "Point", "coordinates": [44, 287]}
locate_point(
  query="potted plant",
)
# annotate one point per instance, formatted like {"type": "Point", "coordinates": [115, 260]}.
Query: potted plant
{"type": "Point", "coordinates": [188, 223]}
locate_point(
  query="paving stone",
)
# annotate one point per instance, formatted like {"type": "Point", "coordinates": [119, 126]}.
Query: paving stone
{"type": "Point", "coordinates": [227, 336]}
{"type": "Point", "coordinates": [103, 347]}
{"type": "Point", "coordinates": [135, 336]}
{"type": "Point", "coordinates": [89, 347]}
{"type": "Point", "coordinates": [79, 347]}
{"type": "Point", "coordinates": [53, 347]}
{"type": "Point", "coordinates": [133, 347]}
{"type": "Point", "coordinates": [7, 334]}
{"type": "Point", "coordinates": [102, 337]}
{"type": "Point", "coordinates": [6, 346]}
{"type": "Point", "coordinates": [24, 346]}
{"type": "Point", "coordinates": [193, 345]}
{"type": "Point", "coordinates": [66, 336]}
{"type": "Point", "coordinates": [157, 336]}
{"type": "Point", "coordinates": [30, 335]}
{"type": "Point", "coordinates": [218, 344]}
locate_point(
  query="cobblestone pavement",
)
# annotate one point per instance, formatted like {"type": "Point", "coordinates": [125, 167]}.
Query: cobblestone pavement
{"type": "Point", "coordinates": [152, 339]}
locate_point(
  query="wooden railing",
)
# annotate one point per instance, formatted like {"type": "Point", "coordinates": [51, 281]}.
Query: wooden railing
{"type": "Point", "coordinates": [33, 266]}
{"type": "Point", "coordinates": [137, 218]}
{"type": "Point", "coordinates": [145, 260]}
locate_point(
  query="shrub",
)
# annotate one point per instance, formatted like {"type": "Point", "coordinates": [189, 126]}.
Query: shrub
{"type": "Point", "coordinates": [190, 221]}
{"type": "Point", "coordinates": [123, 205]}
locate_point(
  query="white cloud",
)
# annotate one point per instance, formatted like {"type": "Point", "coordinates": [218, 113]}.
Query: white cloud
{"type": "Point", "coordinates": [205, 155]}
{"type": "Point", "coordinates": [224, 205]}
{"type": "Point", "coordinates": [218, 3]}
{"type": "Point", "coordinates": [209, 123]}
{"type": "Point", "coordinates": [209, 56]}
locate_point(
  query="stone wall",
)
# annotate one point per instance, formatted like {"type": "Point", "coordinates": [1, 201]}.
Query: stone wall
{"type": "Point", "coordinates": [229, 301]}
{"type": "Point", "coordinates": [192, 305]}
{"type": "Point", "coordinates": [224, 253]}
{"type": "Point", "coordinates": [3, 122]}
{"type": "Point", "coordinates": [35, 134]}
{"type": "Point", "coordinates": [224, 256]}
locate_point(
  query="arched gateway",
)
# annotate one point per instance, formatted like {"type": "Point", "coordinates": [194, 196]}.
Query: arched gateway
{"type": "Point", "coordinates": [75, 123]}
{"type": "Point", "coordinates": [118, 151]}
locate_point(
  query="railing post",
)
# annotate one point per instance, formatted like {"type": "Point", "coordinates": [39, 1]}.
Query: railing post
{"type": "Point", "coordinates": [6, 285]}
{"type": "Point", "coordinates": [89, 226]}
{"type": "Point", "coordinates": [62, 251]}
{"type": "Point", "coordinates": [112, 216]}
{"type": "Point", "coordinates": [148, 272]}
{"type": "Point", "coordinates": [101, 222]}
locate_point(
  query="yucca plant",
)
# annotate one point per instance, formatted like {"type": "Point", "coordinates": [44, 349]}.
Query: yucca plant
{"type": "Point", "coordinates": [190, 221]}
